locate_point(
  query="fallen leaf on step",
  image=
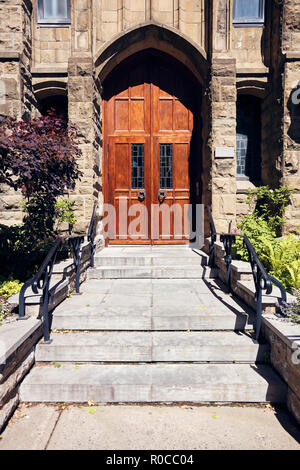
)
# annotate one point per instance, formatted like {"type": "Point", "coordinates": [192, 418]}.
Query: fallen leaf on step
{"type": "Point", "coordinates": [215, 416]}
{"type": "Point", "coordinates": [92, 409]}
{"type": "Point", "coordinates": [91, 402]}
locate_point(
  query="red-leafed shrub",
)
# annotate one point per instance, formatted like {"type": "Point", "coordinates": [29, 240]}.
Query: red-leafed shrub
{"type": "Point", "coordinates": [39, 157]}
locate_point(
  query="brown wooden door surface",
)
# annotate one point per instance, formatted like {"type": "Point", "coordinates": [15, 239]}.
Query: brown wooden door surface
{"type": "Point", "coordinates": [148, 125]}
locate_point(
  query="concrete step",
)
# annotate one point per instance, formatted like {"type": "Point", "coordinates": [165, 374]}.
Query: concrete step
{"type": "Point", "coordinates": [159, 319]}
{"type": "Point", "coordinates": [140, 260]}
{"type": "Point", "coordinates": [152, 272]}
{"type": "Point", "coordinates": [151, 347]}
{"type": "Point", "coordinates": [145, 383]}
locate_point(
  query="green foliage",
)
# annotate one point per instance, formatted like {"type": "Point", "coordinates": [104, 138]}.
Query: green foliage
{"type": "Point", "coordinates": [258, 231]}
{"type": "Point", "coordinates": [271, 204]}
{"type": "Point", "coordinates": [282, 260]}
{"type": "Point", "coordinates": [64, 212]}
{"type": "Point", "coordinates": [9, 287]}
{"type": "Point", "coordinates": [21, 252]}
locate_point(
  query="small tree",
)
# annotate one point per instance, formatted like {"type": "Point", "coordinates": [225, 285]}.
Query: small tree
{"type": "Point", "coordinates": [39, 157]}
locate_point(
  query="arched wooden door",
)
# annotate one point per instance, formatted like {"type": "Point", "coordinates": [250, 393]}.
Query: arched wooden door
{"type": "Point", "coordinates": [149, 107]}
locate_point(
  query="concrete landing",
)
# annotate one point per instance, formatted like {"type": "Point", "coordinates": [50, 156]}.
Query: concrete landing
{"type": "Point", "coordinates": [152, 304]}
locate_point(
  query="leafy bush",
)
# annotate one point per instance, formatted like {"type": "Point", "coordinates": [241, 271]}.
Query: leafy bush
{"type": "Point", "coordinates": [21, 253]}
{"type": "Point", "coordinates": [64, 212]}
{"type": "Point", "coordinates": [282, 260]}
{"type": "Point", "coordinates": [9, 287]}
{"type": "Point", "coordinates": [39, 157]}
{"type": "Point", "coordinates": [258, 231]}
{"type": "Point", "coordinates": [271, 204]}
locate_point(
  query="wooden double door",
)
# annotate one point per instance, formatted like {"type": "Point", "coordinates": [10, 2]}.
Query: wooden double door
{"type": "Point", "coordinates": [148, 126]}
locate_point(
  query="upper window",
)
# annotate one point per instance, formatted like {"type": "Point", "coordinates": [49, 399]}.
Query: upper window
{"type": "Point", "coordinates": [248, 12]}
{"type": "Point", "coordinates": [54, 11]}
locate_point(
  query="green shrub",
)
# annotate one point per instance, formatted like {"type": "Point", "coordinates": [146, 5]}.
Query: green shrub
{"type": "Point", "coordinates": [282, 260]}
{"type": "Point", "coordinates": [270, 204]}
{"type": "Point", "coordinates": [258, 231]}
{"type": "Point", "coordinates": [10, 287]}
{"type": "Point", "coordinates": [64, 212]}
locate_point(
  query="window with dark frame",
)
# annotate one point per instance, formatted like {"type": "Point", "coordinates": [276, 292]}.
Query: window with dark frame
{"type": "Point", "coordinates": [248, 138]}
{"type": "Point", "coordinates": [137, 166]}
{"type": "Point", "coordinates": [54, 12]}
{"type": "Point", "coordinates": [166, 166]}
{"type": "Point", "coordinates": [248, 12]}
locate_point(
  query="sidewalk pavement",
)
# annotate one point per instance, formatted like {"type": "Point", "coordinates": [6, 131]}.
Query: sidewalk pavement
{"type": "Point", "coordinates": [156, 427]}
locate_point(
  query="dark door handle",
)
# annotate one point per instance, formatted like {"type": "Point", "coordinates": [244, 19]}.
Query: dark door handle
{"type": "Point", "coordinates": [161, 196]}
{"type": "Point", "coordinates": [141, 195]}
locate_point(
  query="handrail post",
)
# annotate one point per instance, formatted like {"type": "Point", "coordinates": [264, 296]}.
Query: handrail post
{"type": "Point", "coordinates": [228, 239]}
{"type": "Point", "coordinates": [91, 236]}
{"type": "Point", "coordinates": [45, 298]}
{"type": "Point", "coordinates": [213, 238]}
{"type": "Point", "coordinates": [75, 243]}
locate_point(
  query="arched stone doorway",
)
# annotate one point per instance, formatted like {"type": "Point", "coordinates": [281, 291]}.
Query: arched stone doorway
{"type": "Point", "coordinates": [152, 149]}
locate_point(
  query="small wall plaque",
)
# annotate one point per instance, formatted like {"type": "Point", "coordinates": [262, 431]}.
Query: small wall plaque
{"type": "Point", "coordinates": [224, 152]}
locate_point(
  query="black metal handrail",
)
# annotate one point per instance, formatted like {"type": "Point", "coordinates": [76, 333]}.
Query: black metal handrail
{"type": "Point", "coordinates": [91, 235]}
{"type": "Point", "coordinates": [41, 282]}
{"type": "Point", "coordinates": [213, 238]}
{"type": "Point", "coordinates": [75, 244]}
{"type": "Point", "coordinates": [262, 280]}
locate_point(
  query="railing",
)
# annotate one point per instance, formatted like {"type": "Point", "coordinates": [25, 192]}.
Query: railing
{"type": "Point", "coordinates": [213, 238]}
{"type": "Point", "coordinates": [263, 282]}
{"type": "Point", "coordinates": [91, 235]}
{"type": "Point", "coordinates": [41, 280]}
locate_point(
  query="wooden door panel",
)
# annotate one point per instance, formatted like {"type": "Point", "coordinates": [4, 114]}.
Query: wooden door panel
{"type": "Point", "coordinates": [131, 214]}
{"type": "Point", "coordinates": [168, 222]}
{"type": "Point", "coordinates": [148, 103]}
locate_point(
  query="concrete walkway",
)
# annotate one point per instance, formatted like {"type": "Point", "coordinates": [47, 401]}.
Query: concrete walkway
{"type": "Point", "coordinates": [125, 427]}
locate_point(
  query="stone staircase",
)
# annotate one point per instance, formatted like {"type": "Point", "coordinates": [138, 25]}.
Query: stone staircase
{"type": "Point", "coordinates": [152, 262]}
{"type": "Point", "coordinates": [152, 338]}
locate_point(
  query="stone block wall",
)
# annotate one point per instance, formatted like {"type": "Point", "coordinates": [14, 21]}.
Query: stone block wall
{"type": "Point", "coordinates": [84, 112]}
{"type": "Point", "coordinates": [15, 80]}
{"type": "Point", "coordinates": [263, 58]}
{"type": "Point", "coordinates": [223, 135]}
{"type": "Point", "coordinates": [291, 106]}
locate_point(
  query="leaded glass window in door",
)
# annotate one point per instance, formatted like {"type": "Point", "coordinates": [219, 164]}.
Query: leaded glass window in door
{"type": "Point", "coordinates": [166, 166]}
{"type": "Point", "coordinates": [137, 166]}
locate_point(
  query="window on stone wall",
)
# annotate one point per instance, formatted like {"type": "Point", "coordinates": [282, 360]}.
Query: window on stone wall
{"type": "Point", "coordinates": [56, 103]}
{"type": "Point", "coordinates": [54, 11]}
{"type": "Point", "coordinates": [248, 138]}
{"type": "Point", "coordinates": [248, 12]}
